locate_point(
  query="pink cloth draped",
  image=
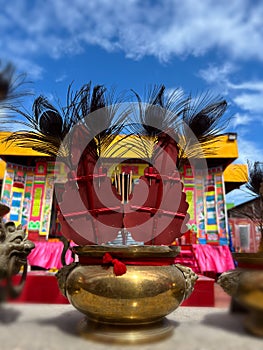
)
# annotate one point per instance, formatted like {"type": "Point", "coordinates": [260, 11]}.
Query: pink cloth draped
{"type": "Point", "coordinates": [48, 255]}
{"type": "Point", "coordinates": [213, 258]}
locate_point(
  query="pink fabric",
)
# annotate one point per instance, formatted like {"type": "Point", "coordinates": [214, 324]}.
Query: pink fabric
{"type": "Point", "coordinates": [48, 255]}
{"type": "Point", "coordinates": [210, 258]}
{"type": "Point", "coordinates": [213, 258]}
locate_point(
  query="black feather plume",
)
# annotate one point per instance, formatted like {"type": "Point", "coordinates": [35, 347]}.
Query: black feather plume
{"type": "Point", "coordinates": [255, 177]}
{"type": "Point", "coordinates": [10, 84]}
{"type": "Point", "coordinates": [47, 126]}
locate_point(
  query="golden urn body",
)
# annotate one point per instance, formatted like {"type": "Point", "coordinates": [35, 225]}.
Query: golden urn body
{"type": "Point", "coordinates": [151, 288]}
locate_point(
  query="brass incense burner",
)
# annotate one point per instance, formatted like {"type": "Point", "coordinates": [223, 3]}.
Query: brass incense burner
{"type": "Point", "coordinates": [245, 285]}
{"type": "Point", "coordinates": [151, 288]}
{"type": "Point", "coordinates": [14, 249]}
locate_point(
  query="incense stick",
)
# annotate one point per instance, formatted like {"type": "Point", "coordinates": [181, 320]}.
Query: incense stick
{"type": "Point", "coordinates": [122, 187]}
{"type": "Point", "coordinates": [130, 183]}
{"type": "Point", "coordinates": [119, 183]}
{"type": "Point", "coordinates": [115, 180]}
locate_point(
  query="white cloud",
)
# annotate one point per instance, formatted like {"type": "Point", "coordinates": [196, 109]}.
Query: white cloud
{"type": "Point", "coordinates": [162, 29]}
{"type": "Point", "coordinates": [248, 150]}
{"type": "Point", "coordinates": [33, 70]}
{"type": "Point", "coordinates": [251, 102]}
{"type": "Point", "coordinates": [218, 77]}
{"type": "Point", "coordinates": [61, 78]}
{"type": "Point", "coordinates": [246, 95]}
{"type": "Point", "coordinates": [241, 119]}
{"type": "Point", "coordinates": [251, 95]}
{"type": "Point", "coordinates": [217, 74]}
{"type": "Point", "coordinates": [248, 85]}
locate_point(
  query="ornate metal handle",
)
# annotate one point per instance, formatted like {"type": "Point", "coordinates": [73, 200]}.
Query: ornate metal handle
{"type": "Point", "coordinates": [15, 291]}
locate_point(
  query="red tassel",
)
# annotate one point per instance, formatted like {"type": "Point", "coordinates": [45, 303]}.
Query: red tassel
{"type": "Point", "coordinates": [107, 258]}
{"type": "Point", "coordinates": [119, 268]}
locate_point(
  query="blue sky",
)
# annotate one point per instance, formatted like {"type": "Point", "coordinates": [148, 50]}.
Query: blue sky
{"type": "Point", "coordinates": [192, 45]}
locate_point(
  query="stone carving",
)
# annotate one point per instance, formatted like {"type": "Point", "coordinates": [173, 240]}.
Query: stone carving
{"type": "Point", "coordinates": [245, 285]}
{"type": "Point", "coordinates": [14, 249]}
{"type": "Point", "coordinates": [229, 281]}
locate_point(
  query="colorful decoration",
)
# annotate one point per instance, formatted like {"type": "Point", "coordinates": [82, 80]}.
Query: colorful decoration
{"type": "Point", "coordinates": [210, 208]}
{"type": "Point", "coordinates": [28, 191]}
{"type": "Point", "coordinates": [189, 189]}
{"type": "Point", "coordinates": [13, 191]}
{"type": "Point", "coordinates": [200, 208]}
{"type": "Point", "coordinates": [7, 186]}
{"type": "Point", "coordinates": [38, 195]}
{"type": "Point", "coordinates": [27, 196]}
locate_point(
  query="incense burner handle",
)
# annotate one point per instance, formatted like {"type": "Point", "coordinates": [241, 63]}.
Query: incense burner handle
{"type": "Point", "coordinates": [66, 247]}
{"type": "Point", "coordinates": [62, 276]}
{"type": "Point", "coordinates": [190, 278]}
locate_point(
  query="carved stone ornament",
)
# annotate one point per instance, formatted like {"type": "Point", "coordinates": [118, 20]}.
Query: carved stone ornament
{"type": "Point", "coordinates": [245, 285]}
{"type": "Point", "coordinates": [14, 249]}
{"type": "Point", "coordinates": [229, 281]}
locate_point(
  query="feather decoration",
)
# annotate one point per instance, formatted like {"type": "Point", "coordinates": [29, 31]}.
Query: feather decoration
{"type": "Point", "coordinates": [47, 126]}
{"type": "Point", "coordinates": [181, 117]}
{"type": "Point", "coordinates": [255, 177]}
{"type": "Point", "coordinates": [6, 81]}
{"type": "Point", "coordinates": [10, 84]}
{"type": "Point", "coordinates": [164, 115]}
{"type": "Point", "coordinates": [203, 120]}
{"type": "Point", "coordinates": [191, 122]}
{"type": "Point", "coordinates": [156, 117]}
{"type": "Point", "coordinates": [106, 121]}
